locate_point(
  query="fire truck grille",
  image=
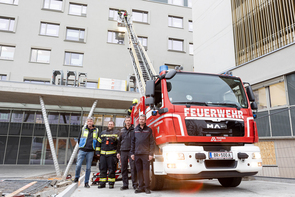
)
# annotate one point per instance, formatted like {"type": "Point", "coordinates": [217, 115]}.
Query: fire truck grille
{"type": "Point", "coordinates": [229, 128]}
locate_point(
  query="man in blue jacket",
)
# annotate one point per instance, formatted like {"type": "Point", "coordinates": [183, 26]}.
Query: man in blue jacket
{"type": "Point", "coordinates": [87, 145]}
{"type": "Point", "coordinates": [142, 151]}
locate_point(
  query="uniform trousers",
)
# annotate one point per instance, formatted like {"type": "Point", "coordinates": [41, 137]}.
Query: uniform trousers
{"type": "Point", "coordinates": [107, 162]}
{"type": "Point", "coordinates": [125, 155]}
{"type": "Point", "coordinates": [142, 164]}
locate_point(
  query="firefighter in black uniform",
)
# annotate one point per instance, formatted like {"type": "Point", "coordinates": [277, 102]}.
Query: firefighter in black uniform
{"type": "Point", "coordinates": [107, 142]}
{"type": "Point", "coordinates": [124, 147]}
{"type": "Point", "coordinates": [134, 102]}
{"type": "Point", "coordinates": [142, 151]}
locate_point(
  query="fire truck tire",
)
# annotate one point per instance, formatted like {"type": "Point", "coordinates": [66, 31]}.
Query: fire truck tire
{"type": "Point", "coordinates": [230, 182]}
{"type": "Point", "coordinates": [157, 181]}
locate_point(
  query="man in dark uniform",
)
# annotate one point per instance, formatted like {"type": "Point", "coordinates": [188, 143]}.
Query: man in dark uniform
{"type": "Point", "coordinates": [142, 151]}
{"type": "Point", "coordinates": [87, 145]}
{"type": "Point", "coordinates": [134, 102]}
{"type": "Point", "coordinates": [124, 147]}
{"type": "Point", "coordinates": [107, 142]}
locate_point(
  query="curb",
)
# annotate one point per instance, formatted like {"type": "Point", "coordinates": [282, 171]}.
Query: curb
{"type": "Point", "coordinates": [71, 188]}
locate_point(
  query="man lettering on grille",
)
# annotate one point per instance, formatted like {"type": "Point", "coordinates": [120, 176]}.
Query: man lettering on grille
{"type": "Point", "coordinates": [107, 142]}
{"type": "Point", "coordinates": [142, 151]}
{"type": "Point", "coordinates": [124, 147]}
{"type": "Point", "coordinates": [87, 145]}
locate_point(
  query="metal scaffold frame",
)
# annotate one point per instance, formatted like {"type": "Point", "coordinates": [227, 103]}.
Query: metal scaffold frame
{"type": "Point", "coordinates": [49, 136]}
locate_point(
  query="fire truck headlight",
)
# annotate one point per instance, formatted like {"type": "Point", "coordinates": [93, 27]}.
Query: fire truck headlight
{"type": "Point", "coordinates": [256, 155]}
{"type": "Point", "coordinates": [172, 156]}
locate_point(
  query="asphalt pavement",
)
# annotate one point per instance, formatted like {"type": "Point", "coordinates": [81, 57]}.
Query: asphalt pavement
{"type": "Point", "coordinates": [253, 188]}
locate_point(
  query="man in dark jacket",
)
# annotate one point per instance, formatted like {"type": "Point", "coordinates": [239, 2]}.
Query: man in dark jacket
{"type": "Point", "coordinates": [142, 151]}
{"type": "Point", "coordinates": [124, 147]}
{"type": "Point", "coordinates": [107, 142]}
{"type": "Point", "coordinates": [87, 145]}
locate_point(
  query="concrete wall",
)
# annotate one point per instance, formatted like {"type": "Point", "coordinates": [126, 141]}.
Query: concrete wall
{"type": "Point", "coordinates": [101, 59]}
{"type": "Point", "coordinates": [270, 66]}
{"type": "Point", "coordinates": [213, 36]}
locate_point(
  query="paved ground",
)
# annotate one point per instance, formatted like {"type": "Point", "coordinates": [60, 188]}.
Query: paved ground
{"type": "Point", "coordinates": [255, 188]}
{"type": "Point", "coordinates": [25, 171]}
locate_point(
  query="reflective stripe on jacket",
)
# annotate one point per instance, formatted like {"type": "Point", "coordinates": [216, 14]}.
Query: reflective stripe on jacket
{"type": "Point", "coordinates": [84, 136]}
{"type": "Point", "coordinates": [107, 142]}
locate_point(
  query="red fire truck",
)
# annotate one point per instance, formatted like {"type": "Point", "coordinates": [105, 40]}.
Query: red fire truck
{"type": "Point", "coordinates": [202, 124]}
{"type": "Point", "coordinates": [203, 127]}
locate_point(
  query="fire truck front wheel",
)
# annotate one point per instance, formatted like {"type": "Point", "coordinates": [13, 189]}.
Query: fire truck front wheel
{"type": "Point", "coordinates": [156, 181]}
{"type": "Point", "coordinates": [230, 182]}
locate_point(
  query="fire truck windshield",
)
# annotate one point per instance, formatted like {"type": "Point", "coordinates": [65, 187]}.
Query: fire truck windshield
{"type": "Point", "coordinates": [206, 90]}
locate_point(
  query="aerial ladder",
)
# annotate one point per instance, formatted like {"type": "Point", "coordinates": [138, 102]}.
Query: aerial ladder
{"type": "Point", "coordinates": [142, 66]}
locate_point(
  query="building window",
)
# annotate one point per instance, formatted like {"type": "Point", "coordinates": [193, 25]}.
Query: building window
{"type": "Point", "coordinates": [74, 59]}
{"type": "Point", "coordinates": [40, 55]}
{"type": "Point", "coordinates": [175, 44]}
{"type": "Point", "coordinates": [172, 66]}
{"type": "Point", "coordinates": [113, 14]}
{"type": "Point", "coordinates": [190, 25]}
{"type": "Point", "coordinates": [53, 4]}
{"type": "Point", "coordinates": [3, 77]}
{"type": "Point", "coordinates": [143, 41]}
{"type": "Point", "coordinates": [277, 94]}
{"type": "Point", "coordinates": [176, 2]}
{"type": "Point", "coordinates": [14, 2]}
{"type": "Point", "coordinates": [189, 3]}
{"type": "Point", "coordinates": [49, 29]}
{"type": "Point", "coordinates": [191, 48]}
{"type": "Point", "coordinates": [261, 28]}
{"type": "Point", "coordinates": [7, 52]}
{"type": "Point", "coordinates": [260, 98]}
{"type": "Point", "coordinates": [116, 37]}
{"type": "Point", "coordinates": [92, 85]}
{"type": "Point", "coordinates": [140, 16]}
{"type": "Point", "coordinates": [174, 21]}
{"type": "Point", "coordinates": [78, 9]}
{"type": "Point", "coordinates": [36, 81]}
{"type": "Point", "coordinates": [7, 24]}
{"type": "Point", "coordinates": [75, 34]}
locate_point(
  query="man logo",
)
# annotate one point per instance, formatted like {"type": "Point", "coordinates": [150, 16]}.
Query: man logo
{"type": "Point", "coordinates": [216, 126]}
{"type": "Point", "coordinates": [213, 139]}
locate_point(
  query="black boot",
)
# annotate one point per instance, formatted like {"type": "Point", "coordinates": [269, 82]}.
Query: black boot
{"type": "Point", "coordinates": [86, 185]}
{"type": "Point", "coordinates": [101, 186]}
{"type": "Point", "coordinates": [76, 180]}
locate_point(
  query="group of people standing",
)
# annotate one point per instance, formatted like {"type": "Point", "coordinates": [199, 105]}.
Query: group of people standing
{"type": "Point", "coordinates": [135, 145]}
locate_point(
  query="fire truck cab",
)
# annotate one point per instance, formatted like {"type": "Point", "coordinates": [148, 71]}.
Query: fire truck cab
{"type": "Point", "coordinates": [203, 127]}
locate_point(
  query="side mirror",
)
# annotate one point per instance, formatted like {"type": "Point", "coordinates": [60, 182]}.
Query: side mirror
{"type": "Point", "coordinates": [170, 74]}
{"type": "Point", "coordinates": [254, 105]}
{"type": "Point", "coordinates": [149, 101]}
{"type": "Point", "coordinates": [250, 94]}
{"type": "Point", "coordinates": [150, 88]}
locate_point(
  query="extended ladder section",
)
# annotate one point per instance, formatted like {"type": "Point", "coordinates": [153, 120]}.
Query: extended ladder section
{"type": "Point", "coordinates": [142, 66]}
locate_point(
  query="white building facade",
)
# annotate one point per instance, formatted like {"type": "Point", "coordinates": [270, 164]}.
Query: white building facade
{"type": "Point", "coordinates": [80, 37]}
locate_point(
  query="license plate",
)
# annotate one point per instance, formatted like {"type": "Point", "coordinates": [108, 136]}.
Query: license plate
{"type": "Point", "coordinates": [220, 155]}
